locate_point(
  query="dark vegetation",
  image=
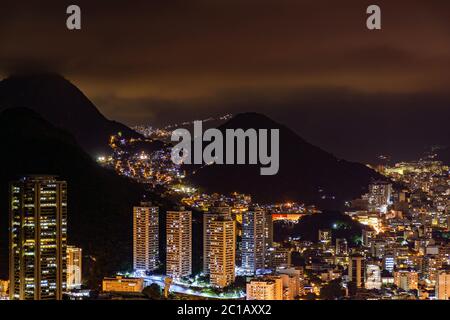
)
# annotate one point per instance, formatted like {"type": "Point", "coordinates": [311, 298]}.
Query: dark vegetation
{"type": "Point", "coordinates": [100, 202]}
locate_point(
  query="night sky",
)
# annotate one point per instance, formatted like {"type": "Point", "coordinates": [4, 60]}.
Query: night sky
{"type": "Point", "coordinates": [311, 65]}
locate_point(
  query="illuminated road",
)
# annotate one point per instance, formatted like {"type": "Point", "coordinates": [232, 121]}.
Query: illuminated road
{"type": "Point", "coordinates": [177, 287]}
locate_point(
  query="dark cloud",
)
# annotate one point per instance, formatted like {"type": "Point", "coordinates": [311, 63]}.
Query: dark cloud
{"type": "Point", "coordinates": [164, 60]}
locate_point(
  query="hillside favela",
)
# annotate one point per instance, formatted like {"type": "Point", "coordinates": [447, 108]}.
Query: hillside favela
{"type": "Point", "coordinates": [352, 121]}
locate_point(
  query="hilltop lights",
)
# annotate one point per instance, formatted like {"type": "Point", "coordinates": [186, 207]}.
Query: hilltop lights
{"type": "Point", "coordinates": [214, 152]}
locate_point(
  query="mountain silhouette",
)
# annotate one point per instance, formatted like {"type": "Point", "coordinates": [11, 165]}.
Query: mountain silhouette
{"type": "Point", "coordinates": [99, 201]}
{"type": "Point", "coordinates": [65, 106]}
{"type": "Point", "coordinates": [306, 172]}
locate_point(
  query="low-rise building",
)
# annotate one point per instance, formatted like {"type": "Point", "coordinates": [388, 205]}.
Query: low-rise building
{"type": "Point", "coordinates": [267, 288]}
{"type": "Point", "coordinates": [121, 284]}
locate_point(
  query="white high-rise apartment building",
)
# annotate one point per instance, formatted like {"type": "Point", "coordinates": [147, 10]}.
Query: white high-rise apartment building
{"type": "Point", "coordinates": [179, 243]}
{"type": "Point", "coordinates": [145, 237]}
{"type": "Point", "coordinates": [219, 248]}
{"type": "Point", "coordinates": [253, 240]}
